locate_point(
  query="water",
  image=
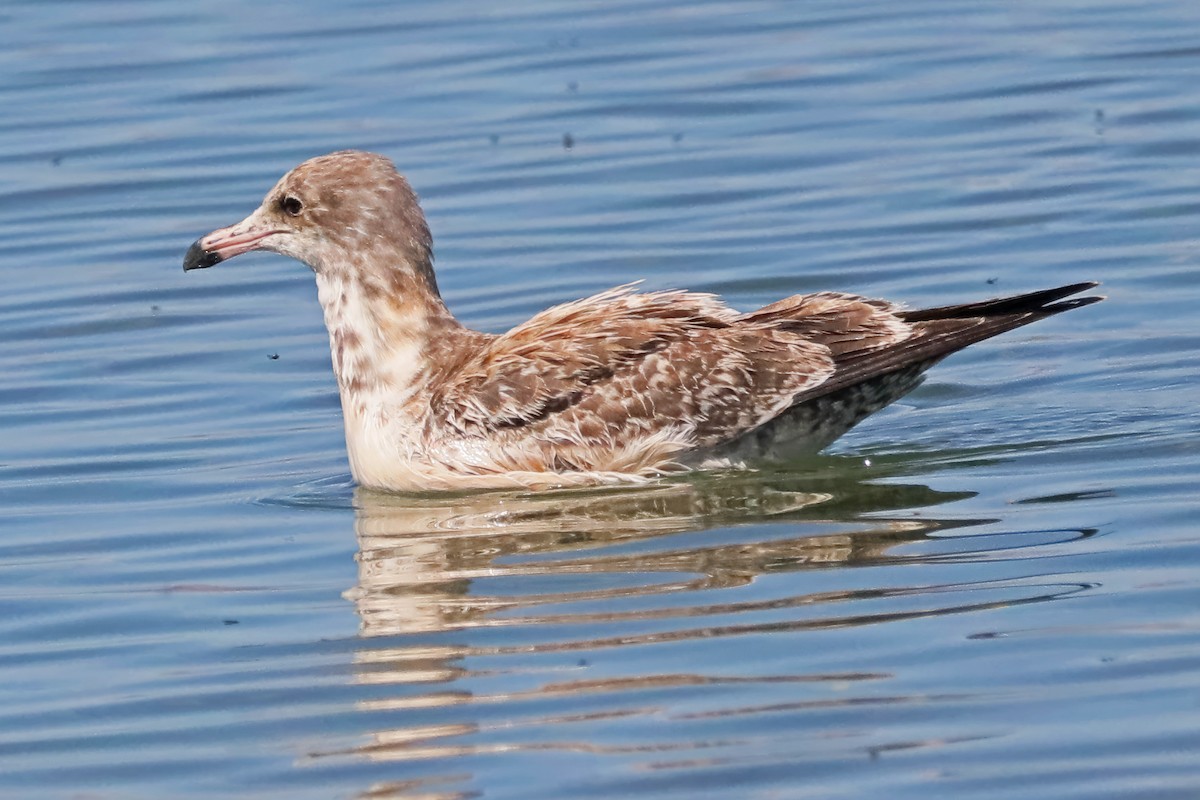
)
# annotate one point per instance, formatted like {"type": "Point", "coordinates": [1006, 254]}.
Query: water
{"type": "Point", "coordinates": [987, 590]}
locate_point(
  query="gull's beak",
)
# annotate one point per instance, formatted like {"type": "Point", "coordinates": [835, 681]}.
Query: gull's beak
{"type": "Point", "coordinates": [225, 243]}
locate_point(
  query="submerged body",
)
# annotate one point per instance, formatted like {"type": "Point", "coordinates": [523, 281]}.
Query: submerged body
{"type": "Point", "coordinates": [621, 386]}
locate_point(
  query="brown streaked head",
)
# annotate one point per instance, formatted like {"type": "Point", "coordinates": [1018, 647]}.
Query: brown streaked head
{"type": "Point", "coordinates": [344, 211]}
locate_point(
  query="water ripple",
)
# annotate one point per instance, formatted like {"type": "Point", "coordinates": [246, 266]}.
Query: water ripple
{"type": "Point", "coordinates": [997, 571]}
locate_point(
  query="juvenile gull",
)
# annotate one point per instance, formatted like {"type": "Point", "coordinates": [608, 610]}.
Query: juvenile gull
{"type": "Point", "coordinates": [621, 386]}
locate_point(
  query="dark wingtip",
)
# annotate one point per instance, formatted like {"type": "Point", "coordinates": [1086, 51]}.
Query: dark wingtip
{"type": "Point", "coordinates": [1042, 302]}
{"type": "Point", "coordinates": [1078, 302]}
{"type": "Point", "coordinates": [199, 258]}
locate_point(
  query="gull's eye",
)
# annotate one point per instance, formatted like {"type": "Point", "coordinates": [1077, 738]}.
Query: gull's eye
{"type": "Point", "coordinates": [291, 206]}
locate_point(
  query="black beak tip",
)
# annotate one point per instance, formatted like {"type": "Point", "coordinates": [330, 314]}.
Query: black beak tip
{"type": "Point", "coordinates": [199, 258]}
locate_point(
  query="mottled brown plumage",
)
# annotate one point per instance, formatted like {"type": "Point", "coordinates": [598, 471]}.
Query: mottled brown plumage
{"type": "Point", "coordinates": [623, 385]}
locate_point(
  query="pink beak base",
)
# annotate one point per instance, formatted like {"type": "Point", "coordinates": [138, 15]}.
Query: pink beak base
{"type": "Point", "coordinates": [222, 244]}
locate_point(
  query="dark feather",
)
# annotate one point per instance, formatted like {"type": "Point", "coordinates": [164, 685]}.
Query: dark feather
{"type": "Point", "coordinates": [1031, 303]}
{"type": "Point", "coordinates": [938, 332]}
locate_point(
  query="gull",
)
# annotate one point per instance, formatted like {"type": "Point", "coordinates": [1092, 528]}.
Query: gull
{"type": "Point", "coordinates": [622, 386]}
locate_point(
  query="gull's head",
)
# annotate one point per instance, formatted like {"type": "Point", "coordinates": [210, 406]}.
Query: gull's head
{"type": "Point", "coordinates": [344, 212]}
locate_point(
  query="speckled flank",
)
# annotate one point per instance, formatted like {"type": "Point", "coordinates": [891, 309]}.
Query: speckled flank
{"type": "Point", "coordinates": [620, 386]}
{"type": "Point", "coordinates": [813, 425]}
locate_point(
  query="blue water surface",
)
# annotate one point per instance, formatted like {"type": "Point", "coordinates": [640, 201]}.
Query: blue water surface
{"type": "Point", "coordinates": [988, 590]}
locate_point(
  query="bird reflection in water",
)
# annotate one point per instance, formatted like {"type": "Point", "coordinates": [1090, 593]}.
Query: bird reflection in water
{"type": "Point", "coordinates": [486, 616]}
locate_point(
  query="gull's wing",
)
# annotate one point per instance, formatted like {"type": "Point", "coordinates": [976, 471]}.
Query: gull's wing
{"type": "Point", "coordinates": [937, 332]}
{"type": "Point", "coordinates": [604, 370]}
{"type": "Point", "coordinates": [635, 378]}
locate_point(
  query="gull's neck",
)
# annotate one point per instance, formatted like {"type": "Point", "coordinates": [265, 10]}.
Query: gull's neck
{"type": "Point", "coordinates": [380, 331]}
